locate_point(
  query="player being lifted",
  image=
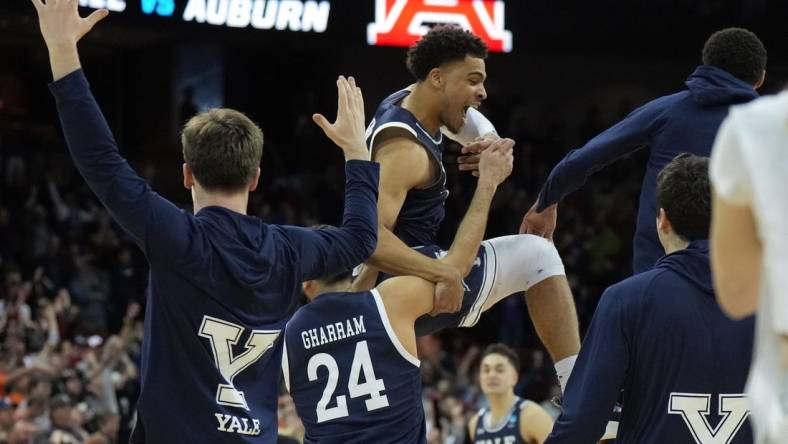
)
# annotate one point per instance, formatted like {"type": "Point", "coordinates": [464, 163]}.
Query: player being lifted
{"type": "Point", "coordinates": [350, 357]}
{"type": "Point", "coordinates": [405, 138]}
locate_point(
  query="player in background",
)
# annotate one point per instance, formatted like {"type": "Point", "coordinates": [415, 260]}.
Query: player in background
{"type": "Point", "coordinates": [661, 337]}
{"type": "Point", "coordinates": [350, 357]}
{"type": "Point", "coordinates": [734, 63]}
{"type": "Point", "coordinates": [509, 419]}
{"type": "Point", "coordinates": [222, 284]}
{"type": "Point", "coordinates": [405, 138]}
{"type": "Point", "coordinates": [749, 242]}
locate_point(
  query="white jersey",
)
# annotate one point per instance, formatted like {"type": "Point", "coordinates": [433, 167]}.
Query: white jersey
{"type": "Point", "coordinates": [749, 167]}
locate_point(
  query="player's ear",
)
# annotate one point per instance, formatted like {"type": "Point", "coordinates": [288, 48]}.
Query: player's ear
{"type": "Point", "coordinates": [435, 78]}
{"type": "Point", "coordinates": [761, 80]}
{"type": "Point", "coordinates": [663, 223]}
{"type": "Point", "coordinates": [309, 288]}
{"type": "Point", "coordinates": [188, 177]}
{"type": "Point", "coordinates": [255, 180]}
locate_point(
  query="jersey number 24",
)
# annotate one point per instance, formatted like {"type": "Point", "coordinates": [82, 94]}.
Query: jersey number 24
{"type": "Point", "coordinates": [370, 387]}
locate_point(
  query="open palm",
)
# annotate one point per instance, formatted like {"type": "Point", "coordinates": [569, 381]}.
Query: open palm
{"type": "Point", "coordinates": [348, 131]}
{"type": "Point", "coordinates": [61, 24]}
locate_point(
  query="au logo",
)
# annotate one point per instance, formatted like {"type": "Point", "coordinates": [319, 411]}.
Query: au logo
{"type": "Point", "coordinates": [403, 22]}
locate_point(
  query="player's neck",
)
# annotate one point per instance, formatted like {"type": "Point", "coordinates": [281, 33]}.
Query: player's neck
{"type": "Point", "coordinates": [500, 405]}
{"type": "Point", "coordinates": [673, 243]}
{"type": "Point", "coordinates": [337, 287]}
{"type": "Point", "coordinates": [237, 202]}
{"type": "Point", "coordinates": [420, 103]}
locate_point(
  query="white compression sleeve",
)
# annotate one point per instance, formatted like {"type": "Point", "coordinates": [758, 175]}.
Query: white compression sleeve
{"type": "Point", "coordinates": [476, 125]}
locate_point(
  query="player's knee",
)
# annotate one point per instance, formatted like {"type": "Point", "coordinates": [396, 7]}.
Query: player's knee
{"type": "Point", "coordinates": [541, 257]}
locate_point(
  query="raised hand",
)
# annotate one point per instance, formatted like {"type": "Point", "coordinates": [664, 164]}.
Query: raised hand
{"type": "Point", "coordinates": [62, 27]}
{"type": "Point", "coordinates": [348, 130]}
{"type": "Point", "coordinates": [496, 162]}
{"type": "Point", "coordinates": [61, 24]}
{"type": "Point", "coordinates": [541, 224]}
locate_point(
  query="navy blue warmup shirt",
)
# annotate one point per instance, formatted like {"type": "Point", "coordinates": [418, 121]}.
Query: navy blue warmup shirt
{"type": "Point", "coordinates": [682, 364]}
{"type": "Point", "coordinates": [685, 122]}
{"type": "Point", "coordinates": [222, 285]}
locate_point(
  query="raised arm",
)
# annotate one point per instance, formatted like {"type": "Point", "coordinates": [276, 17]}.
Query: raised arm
{"type": "Point", "coordinates": [332, 250]}
{"type": "Point", "coordinates": [92, 146]}
{"type": "Point", "coordinates": [322, 252]}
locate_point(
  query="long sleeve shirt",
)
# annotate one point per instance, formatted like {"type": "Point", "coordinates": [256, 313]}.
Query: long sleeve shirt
{"type": "Point", "coordinates": [682, 364]}
{"type": "Point", "coordinates": [684, 122]}
{"type": "Point", "coordinates": [222, 285]}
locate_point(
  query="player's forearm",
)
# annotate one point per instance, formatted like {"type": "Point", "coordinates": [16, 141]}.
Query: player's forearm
{"type": "Point", "coordinates": [63, 59]}
{"type": "Point", "coordinates": [566, 177]}
{"type": "Point", "coordinates": [471, 231]}
{"type": "Point", "coordinates": [574, 169]}
{"type": "Point", "coordinates": [394, 257]}
{"type": "Point", "coordinates": [360, 219]}
{"type": "Point", "coordinates": [95, 153]}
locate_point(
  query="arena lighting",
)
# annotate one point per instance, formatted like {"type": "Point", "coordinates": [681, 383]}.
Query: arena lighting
{"type": "Point", "coordinates": [403, 22]}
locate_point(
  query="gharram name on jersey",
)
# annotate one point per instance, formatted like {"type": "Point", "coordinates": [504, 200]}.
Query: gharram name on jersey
{"type": "Point", "coordinates": [333, 332]}
{"type": "Point", "coordinates": [294, 15]}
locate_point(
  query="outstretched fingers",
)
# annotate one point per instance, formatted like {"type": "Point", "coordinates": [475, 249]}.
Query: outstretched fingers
{"type": "Point", "coordinates": [344, 100]}
{"type": "Point", "coordinates": [358, 99]}
{"type": "Point", "coordinates": [95, 17]}
{"type": "Point", "coordinates": [321, 121]}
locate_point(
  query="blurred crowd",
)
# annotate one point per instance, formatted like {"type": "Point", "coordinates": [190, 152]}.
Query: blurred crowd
{"type": "Point", "coordinates": [73, 285]}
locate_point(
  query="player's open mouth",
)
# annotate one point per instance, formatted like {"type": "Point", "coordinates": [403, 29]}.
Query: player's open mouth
{"type": "Point", "coordinates": [466, 107]}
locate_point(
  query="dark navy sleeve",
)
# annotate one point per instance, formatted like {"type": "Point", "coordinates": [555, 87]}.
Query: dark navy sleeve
{"type": "Point", "coordinates": [628, 135]}
{"type": "Point", "coordinates": [130, 200]}
{"type": "Point", "coordinates": [598, 375]}
{"type": "Point", "coordinates": [329, 251]}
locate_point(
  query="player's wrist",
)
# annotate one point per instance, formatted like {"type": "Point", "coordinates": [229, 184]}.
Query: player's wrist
{"type": "Point", "coordinates": [61, 45]}
{"type": "Point", "coordinates": [487, 183]}
{"type": "Point", "coordinates": [447, 271]}
{"type": "Point", "coordinates": [63, 60]}
{"type": "Point", "coordinates": [357, 154]}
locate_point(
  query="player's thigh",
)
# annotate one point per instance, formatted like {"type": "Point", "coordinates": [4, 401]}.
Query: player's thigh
{"type": "Point", "coordinates": [520, 261]}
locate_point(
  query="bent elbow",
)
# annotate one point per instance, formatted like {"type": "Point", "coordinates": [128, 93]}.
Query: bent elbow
{"type": "Point", "coordinates": [365, 239]}
{"type": "Point", "coordinates": [370, 243]}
